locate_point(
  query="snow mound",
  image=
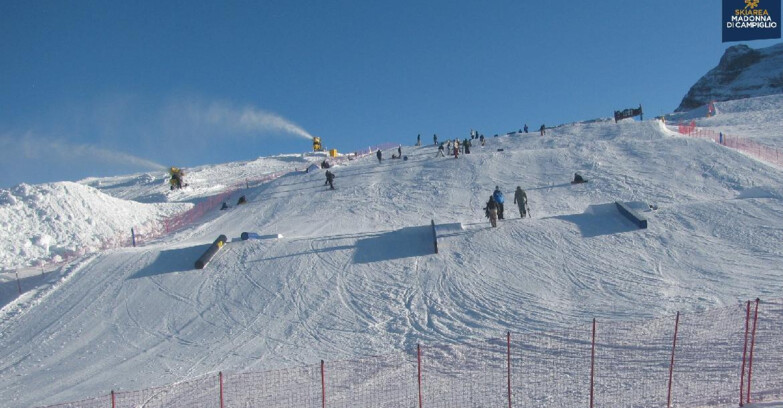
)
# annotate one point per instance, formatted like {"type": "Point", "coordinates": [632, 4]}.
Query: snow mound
{"type": "Point", "coordinates": [50, 222]}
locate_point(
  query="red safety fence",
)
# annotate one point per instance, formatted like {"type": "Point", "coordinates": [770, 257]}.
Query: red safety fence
{"type": "Point", "coordinates": [724, 357]}
{"type": "Point", "coordinates": [762, 152]}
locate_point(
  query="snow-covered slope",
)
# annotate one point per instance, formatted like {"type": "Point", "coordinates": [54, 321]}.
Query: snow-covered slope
{"type": "Point", "coordinates": [47, 222]}
{"type": "Point", "coordinates": [742, 72]}
{"type": "Point", "coordinates": [354, 273]}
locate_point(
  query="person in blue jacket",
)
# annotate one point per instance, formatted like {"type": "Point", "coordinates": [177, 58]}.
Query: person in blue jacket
{"type": "Point", "coordinates": [498, 196]}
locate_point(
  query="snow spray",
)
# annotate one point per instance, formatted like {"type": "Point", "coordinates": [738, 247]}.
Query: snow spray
{"type": "Point", "coordinates": [252, 119]}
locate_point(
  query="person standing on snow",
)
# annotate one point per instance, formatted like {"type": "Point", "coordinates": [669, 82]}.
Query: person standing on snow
{"type": "Point", "coordinates": [491, 211]}
{"type": "Point", "coordinates": [440, 150]}
{"type": "Point", "coordinates": [379, 155]}
{"type": "Point", "coordinates": [329, 179]}
{"type": "Point", "coordinates": [520, 199]}
{"type": "Point", "coordinates": [499, 199]}
{"type": "Point", "coordinates": [543, 130]}
{"type": "Point", "coordinates": [525, 128]}
{"type": "Point", "coordinates": [418, 140]}
{"type": "Point", "coordinates": [435, 139]}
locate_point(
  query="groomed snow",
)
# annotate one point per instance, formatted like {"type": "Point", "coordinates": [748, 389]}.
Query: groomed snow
{"type": "Point", "coordinates": [354, 273]}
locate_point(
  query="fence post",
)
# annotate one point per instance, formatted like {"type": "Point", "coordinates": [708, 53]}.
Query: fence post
{"type": "Point", "coordinates": [113, 401]}
{"type": "Point", "coordinates": [752, 344]}
{"type": "Point", "coordinates": [744, 355]}
{"type": "Point", "coordinates": [508, 354]}
{"type": "Point", "coordinates": [18, 284]}
{"type": "Point", "coordinates": [133, 238]}
{"type": "Point", "coordinates": [671, 363]}
{"type": "Point", "coordinates": [323, 386]}
{"type": "Point", "coordinates": [220, 378]}
{"type": "Point", "coordinates": [434, 236]}
{"type": "Point", "coordinates": [418, 358]}
{"type": "Point", "coordinates": [592, 366]}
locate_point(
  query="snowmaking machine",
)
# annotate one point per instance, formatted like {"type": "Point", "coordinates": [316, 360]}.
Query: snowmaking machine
{"type": "Point", "coordinates": [317, 147]}
{"type": "Point", "coordinates": [177, 178]}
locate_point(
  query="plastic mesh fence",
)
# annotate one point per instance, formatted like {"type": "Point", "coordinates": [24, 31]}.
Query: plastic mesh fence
{"type": "Point", "coordinates": [630, 368]}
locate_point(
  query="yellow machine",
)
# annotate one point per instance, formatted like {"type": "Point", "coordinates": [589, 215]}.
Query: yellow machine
{"type": "Point", "coordinates": [177, 177]}
{"type": "Point", "coordinates": [317, 144]}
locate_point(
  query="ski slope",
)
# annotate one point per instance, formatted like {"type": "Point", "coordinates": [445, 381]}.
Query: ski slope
{"type": "Point", "coordinates": [354, 273]}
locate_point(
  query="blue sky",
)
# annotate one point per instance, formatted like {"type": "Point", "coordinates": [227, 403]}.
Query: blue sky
{"type": "Point", "coordinates": [96, 88]}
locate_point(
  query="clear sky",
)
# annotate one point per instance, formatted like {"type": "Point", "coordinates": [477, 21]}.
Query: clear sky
{"type": "Point", "coordinates": [98, 88]}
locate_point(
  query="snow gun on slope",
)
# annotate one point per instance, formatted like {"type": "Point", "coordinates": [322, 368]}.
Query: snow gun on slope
{"type": "Point", "coordinates": [211, 251]}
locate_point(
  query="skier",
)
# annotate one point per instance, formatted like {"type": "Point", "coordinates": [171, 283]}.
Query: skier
{"type": "Point", "coordinates": [379, 155]}
{"type": "Point", "coordinates": [329, 179]}
{"type": "Point", "coordinates": [520, 199]}
{"type": "Point", "coordinates": [440, 150]}
{"type": "Point", "coordinates": [525, 127]}
{"type": "Point", "coordinates": [499, 199]}
{"type": "Point", "coordinates": [491, 211]}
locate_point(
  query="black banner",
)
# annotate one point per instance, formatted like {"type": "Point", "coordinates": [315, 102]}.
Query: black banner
{"type": "Point", "coordinates": [627, 113]}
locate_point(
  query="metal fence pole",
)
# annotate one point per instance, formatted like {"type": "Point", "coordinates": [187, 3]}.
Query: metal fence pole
{"type": "Point", "coordinates": [671, 363]}
{"type": "Point", "coordinates": [592, 367]}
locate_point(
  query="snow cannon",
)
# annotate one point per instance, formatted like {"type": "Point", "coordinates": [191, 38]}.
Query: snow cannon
{"type": "Point", "coordinates": [317, 147]}
{"type": "Point", "coordinates": [211, 251]}
{"type": "Point", "coordinates": [177, 178]}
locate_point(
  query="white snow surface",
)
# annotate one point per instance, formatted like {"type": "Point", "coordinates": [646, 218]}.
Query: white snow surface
{"type": "Point", "coordinates": [354, 273]}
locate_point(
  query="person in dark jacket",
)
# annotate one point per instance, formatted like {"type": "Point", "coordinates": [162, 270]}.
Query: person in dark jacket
{"type": "Point", "coordinates": [520, 199]}
{"type": "Point", "coordinates": [418, 140]}
{"type": "Point", "coordinates": [499, 199]}
{"type": "Point", "coordinates": [399, 151]}
{"type": "Point", "coordinates": [525, 128]}
{"type": "Point", "coordinates": [440, 150]}
{"type": "Point", "coordinates": [542, 129]}
{"type": "Point", "coordinates": [329, 179]}
{"type": "Point", "coordinates": [491, 211]}
{"type": "Point", "coordinates": [379, 155]}
{"type": "Point", "coordinates": [435, 139]}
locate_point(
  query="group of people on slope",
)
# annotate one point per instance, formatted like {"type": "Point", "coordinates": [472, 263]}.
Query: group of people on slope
{"type": "Point", "coordinates": [494, 208]}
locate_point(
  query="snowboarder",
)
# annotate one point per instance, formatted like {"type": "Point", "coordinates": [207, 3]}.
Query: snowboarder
{"type": "Point", "coordinates": [578, 179]}
{"type": "Point", "coordinates": [440, 151]}
{"type": "Point", "coordinates": [325, 164]}
{"type": "Point", "coordinates": [329, 179]}
{"type": "Point", "coordinates": [379, 155]}
{"type": "Point", "coordinates": [491, 211]}
{"type": "Point", "coordinates": [520, 199]}
{"type": "Point", "coordinates": [499, 199]}
{"type": "Point", "coordinates": [542, 129]}
{"type": "Point", "coordinates": [525, 127]}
